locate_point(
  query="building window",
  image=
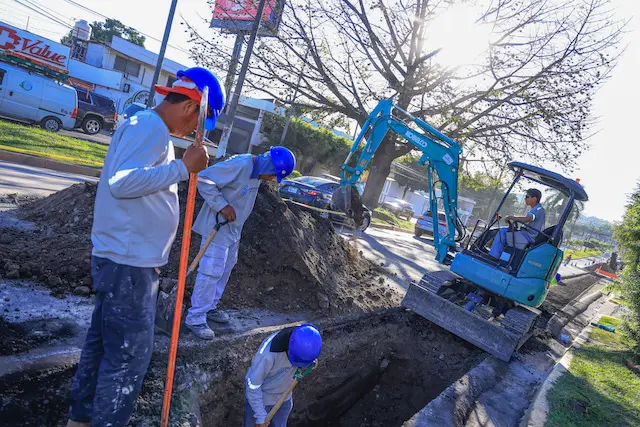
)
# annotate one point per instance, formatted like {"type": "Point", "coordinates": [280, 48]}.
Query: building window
{"type": "Point", "coordinates": [170, 81]}
{"type": "Point", "coordinates": [127, 66]}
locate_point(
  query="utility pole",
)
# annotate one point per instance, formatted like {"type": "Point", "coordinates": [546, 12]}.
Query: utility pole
{"type": "Point", "coordinates": [163, 49]}
{"type": "Point", "coordinates": [233, 65]}
{"type": "Point", "coordinates": [231, 112]}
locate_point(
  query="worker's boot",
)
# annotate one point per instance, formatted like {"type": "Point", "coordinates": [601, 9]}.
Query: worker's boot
{"type": "Point", "coordinates": [218, 316]}
{"type": "Point", "coordinates": [72, 423]}
{"type": "Point", "coordinates": [202, 331]}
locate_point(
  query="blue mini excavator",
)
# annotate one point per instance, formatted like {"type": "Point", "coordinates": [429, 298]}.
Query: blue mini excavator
{"type": "Point", "coordinates": [489, 302]}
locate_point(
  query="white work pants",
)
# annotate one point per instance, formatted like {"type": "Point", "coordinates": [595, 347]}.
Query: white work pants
{"type": "Point", "coordinates": [213, 274]}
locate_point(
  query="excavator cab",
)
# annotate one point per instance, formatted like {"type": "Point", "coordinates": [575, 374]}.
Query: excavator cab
{"type": "Point", "coordinates": [490, 301]}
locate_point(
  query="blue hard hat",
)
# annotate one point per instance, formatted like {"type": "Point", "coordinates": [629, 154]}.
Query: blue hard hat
{"type": "Point", "coordinates": [203, 77]}
{"type": "Point", "coordinates": [558, 277]}
{"type": "Point", "coordinates": [305, 345]}
{"type": "Point", "coordinates": [284, 162]}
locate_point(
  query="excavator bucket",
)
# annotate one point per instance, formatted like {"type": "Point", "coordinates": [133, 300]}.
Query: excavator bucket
{"type": "Point", "coordinates": [346, 198]}
{"type": "Point", "coordinates": [500, 338]}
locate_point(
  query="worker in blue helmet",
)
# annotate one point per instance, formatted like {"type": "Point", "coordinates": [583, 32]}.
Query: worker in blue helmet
{"type": "Point", "coordinates": [272, 369]}
{"type": "Point", "coordinates": [229, 188]}
{"type": "Point", "coordinates": [136, 217]}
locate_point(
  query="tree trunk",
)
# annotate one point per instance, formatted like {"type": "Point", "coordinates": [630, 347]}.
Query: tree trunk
{"type": "Point", "coordinates": [380, 168]}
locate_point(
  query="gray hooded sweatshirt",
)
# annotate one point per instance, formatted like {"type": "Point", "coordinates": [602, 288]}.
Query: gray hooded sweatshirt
{"type": "Point", "coordinates": [227, 183]}
{"type": "Point", "coordinates": [269, 376]}
{"type": "Point", "coordinates": [136, 210]}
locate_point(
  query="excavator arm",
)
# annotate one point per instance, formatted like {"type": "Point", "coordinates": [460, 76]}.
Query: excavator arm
{"type": "Point", "coordinates": [440, 154]}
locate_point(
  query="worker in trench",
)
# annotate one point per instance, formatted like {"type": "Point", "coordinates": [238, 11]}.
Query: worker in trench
{"type": "Point", "coordinates": [229, 188]}
{"type": "Point", "coordinates": [272, 372]}
{"type": "Point", "coordinates": [136, 217]}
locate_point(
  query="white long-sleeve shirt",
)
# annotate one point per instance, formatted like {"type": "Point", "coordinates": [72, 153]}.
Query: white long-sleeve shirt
{"type": "Point", "coordinates": [268, 377]}
{"type": "Point", "coordinates": [226, 183]}
{"type": "Point", "coordinates": [136, 210]}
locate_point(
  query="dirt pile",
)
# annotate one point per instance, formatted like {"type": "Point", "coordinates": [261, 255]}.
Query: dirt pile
{"type": "Point", "coordinates": [289, 259]}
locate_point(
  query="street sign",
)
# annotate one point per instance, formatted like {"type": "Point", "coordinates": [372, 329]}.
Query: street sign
{"type": "Point", "coordinates": [237, 16]}
{"type": "Point", "coordinates": [33, 48]}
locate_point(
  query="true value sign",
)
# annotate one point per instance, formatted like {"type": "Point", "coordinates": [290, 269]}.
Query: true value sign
{"type": "Point", "coordinates": [26, 45]}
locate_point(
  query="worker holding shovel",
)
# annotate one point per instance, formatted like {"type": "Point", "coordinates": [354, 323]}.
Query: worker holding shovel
{"type": "Point", "coordinates": [136, 217]}
{"type": "Point", "coordinates": [229, 188]}
{"type": "Point", "coordinates": [281, 361]}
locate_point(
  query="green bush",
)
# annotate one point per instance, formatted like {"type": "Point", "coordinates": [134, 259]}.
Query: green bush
{"type": "Point", "coordinates": [627, 235]}
{"type": "Point", "coordinates": [311, 145]}
{"type": "Point", "coordinates": [294, 174]}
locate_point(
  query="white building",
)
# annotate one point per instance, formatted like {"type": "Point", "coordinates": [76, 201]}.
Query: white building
{"type": "Point", "coordinates": [121, 71]}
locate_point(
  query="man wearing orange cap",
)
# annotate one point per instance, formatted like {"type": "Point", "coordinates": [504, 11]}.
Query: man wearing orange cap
{"type": "Point", "coordinates": [136, 217]}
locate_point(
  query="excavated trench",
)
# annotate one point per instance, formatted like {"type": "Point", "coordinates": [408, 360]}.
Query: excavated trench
{"type": "Point", "coordinates": [375, 370]}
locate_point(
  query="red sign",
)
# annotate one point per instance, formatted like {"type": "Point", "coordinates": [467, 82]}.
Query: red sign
{"type": "Point", "coordinates": [241, 10]}
{"type": "Point", "coordinates": [26, 45]}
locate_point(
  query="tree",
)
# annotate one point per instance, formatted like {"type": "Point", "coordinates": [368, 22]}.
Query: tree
{"type": "Point", "coordinates": [627, 235]}
{"type": "Point", "coordinates": [310, 144]}
{"type": "Point", "coordinates": [528, 96]}
{"type": "Point", "coordinates": [103, 32]}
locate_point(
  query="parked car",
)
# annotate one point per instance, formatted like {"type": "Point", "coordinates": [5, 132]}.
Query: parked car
{"type": "Point", "coordinates": [95, 112]}
{"type": "Point", "coordinates": [316, 192]}
{"type": "Point", "coordinates": [33, 98]}
{"type": "Point", "coordinates": [132, 109]}
{"type": "Point", "coordinates": [399, 208]}
{"type": "Point", "coordinates": [424, 225]}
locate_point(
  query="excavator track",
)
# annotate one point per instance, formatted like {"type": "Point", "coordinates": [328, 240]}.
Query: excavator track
{"type": "Point", "coordinates": [500, 337]}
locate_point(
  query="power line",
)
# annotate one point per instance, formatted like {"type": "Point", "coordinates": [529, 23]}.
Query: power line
{"type": "Point", "coordinates": [48, 9]}
{"type": "Point", "coordinates": [106, 17]}
{"type": "Point", "coordinates": [48, 16]}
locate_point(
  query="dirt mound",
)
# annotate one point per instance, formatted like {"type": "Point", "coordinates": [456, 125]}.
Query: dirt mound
{"type": "Point", "coordinates": [289, 260]}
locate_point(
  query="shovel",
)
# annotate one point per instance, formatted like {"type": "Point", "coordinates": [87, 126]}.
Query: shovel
{"type": "Point", "coordinates": [166, 305]}
{"type": "Point", "coordinates": [297, 377]}
{"type": "Point", "coordinates": [206, 244]}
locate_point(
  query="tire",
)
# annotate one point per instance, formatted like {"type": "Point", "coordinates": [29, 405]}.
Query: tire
{"type": "Point", "coordinates": [92, 125]}
{"type": "Point", "coordinates": [418, 232]}
{"type": "Point", "coordinates": [366, 221]}
{"type": "Point", "coordinates": [51, 124]}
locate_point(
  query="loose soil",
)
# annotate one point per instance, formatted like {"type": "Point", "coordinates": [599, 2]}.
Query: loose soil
{"type": "Point", "coordinates": [20, 337]}
{"type": "Point", "coordinates": [289, 259]}
{"type": "Point", "coordinates": [376, 369]}
{"type": "Point", "coordinates": [560, 295]}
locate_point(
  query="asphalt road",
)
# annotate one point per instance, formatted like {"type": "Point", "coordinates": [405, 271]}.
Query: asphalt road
{"type": "Point", "coordinates": [407, 256]}
{"type": "Point", "coordinates": [33, 181]}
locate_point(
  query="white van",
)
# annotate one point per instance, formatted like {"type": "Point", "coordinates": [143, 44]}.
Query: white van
{"type": "Point", "coordinates": [33, 98]}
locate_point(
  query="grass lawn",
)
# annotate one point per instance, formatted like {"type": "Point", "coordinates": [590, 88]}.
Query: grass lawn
{"type": "Point", "coordinates": [383, 216]}
{"type": "Point", "coordinates": [38, 142]}
{"type": "Point", "coordinates": [599, 390]}
{"type": "Point", "coordinates": [577, 254]}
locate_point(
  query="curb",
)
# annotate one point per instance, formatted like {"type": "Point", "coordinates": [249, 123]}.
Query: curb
{"type": "Point", "coordinates": [451, 407]}
{"type": "Point", "coordinates": [573, 309]}
{"type": "Point", "coordinates": [40, 162]}
{"type": "Point", "coordinates": [538, 411]}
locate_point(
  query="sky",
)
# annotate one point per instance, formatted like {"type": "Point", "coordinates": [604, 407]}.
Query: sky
{"type": "Point", "coordinates": [609, 170]}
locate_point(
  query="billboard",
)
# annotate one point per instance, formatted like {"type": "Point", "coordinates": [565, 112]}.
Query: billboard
{"type": "Point", "coordinates": [236, 16]}
{"type": "Point", "coordinates": [33, 48]}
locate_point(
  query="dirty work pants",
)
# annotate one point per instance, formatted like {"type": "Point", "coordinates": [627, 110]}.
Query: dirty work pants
{"type": "Point", "coordinates": [213, 274]}
{"type": "Point", "coordinates": [279, 420]}
{"type": "Point", "coordinates": [119, 344]}
{"type": "Point", "coordinates": [505, 238]}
